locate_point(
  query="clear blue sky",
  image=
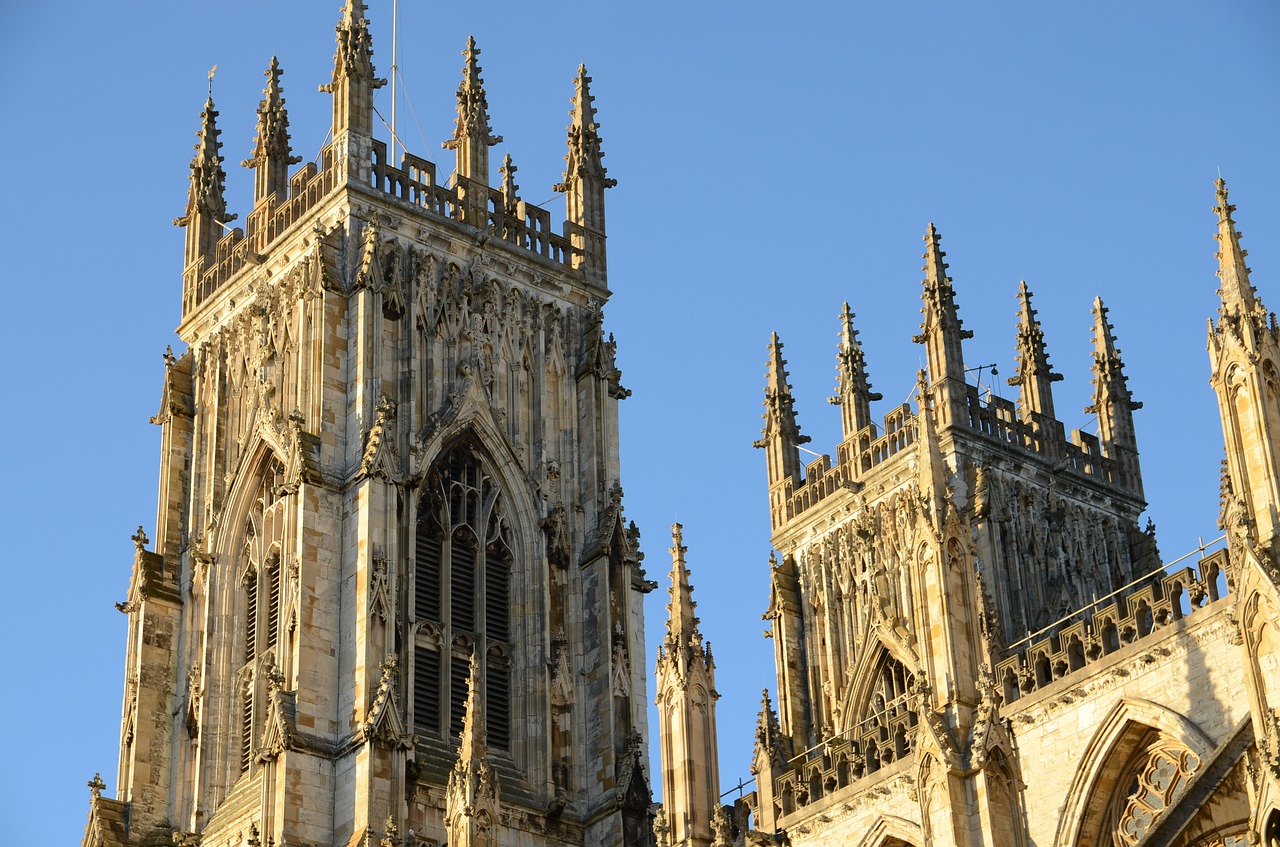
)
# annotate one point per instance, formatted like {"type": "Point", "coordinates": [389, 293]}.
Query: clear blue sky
{"type": "Point", "coordinates": [774, 160]}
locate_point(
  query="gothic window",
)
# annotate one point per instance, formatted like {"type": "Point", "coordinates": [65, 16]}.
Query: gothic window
{"type": "Point", "coordinates": [261, 589]}
{"type": "Point", "coordinates": [888, 719]}
{"type": "Point", "coordinates": [1155, 775]}
{"type": "Point", "coordinates": [462, 596]}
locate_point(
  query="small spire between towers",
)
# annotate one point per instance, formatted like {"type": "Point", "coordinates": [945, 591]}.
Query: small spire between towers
{"type": "Point", "coordinates": [1035, 376]}
{"type": "Point", "coordinates": [853, 387]}
{"type": "Point", "coordinates": [472, 134]}
{"type": "Point", "coordinates": [272, 155]}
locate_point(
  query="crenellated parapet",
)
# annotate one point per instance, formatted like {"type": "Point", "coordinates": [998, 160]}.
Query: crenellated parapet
{"type": "Point", "coordinates": [356, 163]}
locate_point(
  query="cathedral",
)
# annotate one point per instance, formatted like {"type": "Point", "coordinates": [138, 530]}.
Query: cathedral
{"type": "Point", "coordinates": [392, 597]}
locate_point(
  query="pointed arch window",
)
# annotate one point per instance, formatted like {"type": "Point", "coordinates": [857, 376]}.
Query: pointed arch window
{"type": "Point", "coordinates": [462, 596]}
{"type": "Point", "coordinates": [886, 728]}
{"type": "Point", "coordinates": [1153, 777]}
{"type": "Point", "coordinates": [259, 610]}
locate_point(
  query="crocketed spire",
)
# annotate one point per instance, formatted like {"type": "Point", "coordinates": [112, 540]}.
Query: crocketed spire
{"type": "Point", "coordinates": [1113, 402]}
{"type": "Point", "coordinates": [1035, 376]}
{"type": "Point", "coordinates": [271, 152]}
{"type": "Point", "coordinates": [781, 433]}
{"type": "Point", "coordinates": [472, 135]}
{"type": "Point", "coordinates": [853, 387]}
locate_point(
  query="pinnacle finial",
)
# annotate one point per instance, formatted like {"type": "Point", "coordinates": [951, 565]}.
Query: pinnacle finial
{"type": "Point", "coordinates": [584, 156]}
{"type": "Point", "coordinates": [271, 152]}
{"type": "Point", "coordinates": [207, 179]}
{"type": "Point", "coordinates": [853, 387]}
{"type": "Point", "coordinates": [941, 332]}
{"type": "Point", "coordinates": [472, 134]}
{"type": "Point", "coordinates": [682, 624]}
{"type": "Point", "coordinates": [1236, 292]}
{"type": "Point", "coordinates": [1034, 374]}
{"type": "Point", "coordinates": [781, 434]}
{"type": "Point", "coordinates": [1113, 402]}
{"type": "Point", "coordinates": [474, 743]}
{"type": "Point", "coordinates": [354, 78]}
{"type": "Point", "coordinates": [510, 191]}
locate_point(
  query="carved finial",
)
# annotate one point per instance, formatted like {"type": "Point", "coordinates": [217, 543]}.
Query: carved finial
{"type": "Point", "coordinates": [584, 157]}
{"type": "Point", "coordinates": [1113, 402]}
{"type": "Point", "coordinates": [682, 624]}
{"type": "Point", "coordinates": [96, 786]}
{"type": "Point", "coordinates": [472, 135]}
{"type": "Point", "coordinates": [510, 191]}
{"type": "Point", "coordinates": [1239, 298]}
{"type": "Point", "coordinates": [781, 433]}
{"type": "Point", "coordinates": [254, 839]}
{"type": "Point", "coordinates": [768, 730]}
{"type": "Point", "coordinates": [140, 540]}
{"type": "Point", "coordinates": [169, 359]}
{"type": "Point", "coordinates": [271, 153]}
{"type": "Point", "coordinates": [474, 746]}
{"type": "Point", "coordinates": [354, 78]}
{"type": "Point", "coordinates": [206, 207]}
{"type": "Point", "coordinates": [392, 831]}
{"type": "Point", "coordinates": [941, 331]}
{"type": "Point", "coordinates": [1034, 372]}
{"type": "Point", "coordinates": [853, 388]}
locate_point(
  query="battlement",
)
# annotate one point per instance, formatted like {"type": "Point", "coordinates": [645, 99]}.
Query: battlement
{"type": "Point", "coordinates": [467, 202]}
{"type": "Point", "coordinates": [994, 419]}
{"type": "Point", "coordinates": [1138, 611]}
{"type": "Point", "coordinates": [215, 253]}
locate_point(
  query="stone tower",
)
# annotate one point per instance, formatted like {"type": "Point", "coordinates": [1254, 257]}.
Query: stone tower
{"type": "Point", "coordinates": [686, 674]}
{"type": "Point", "coordinates": [1244, 355]}
{"type": "Point", "coordinates": [392, 597]}
{"type": "Point", "coordinates": [964, 597]}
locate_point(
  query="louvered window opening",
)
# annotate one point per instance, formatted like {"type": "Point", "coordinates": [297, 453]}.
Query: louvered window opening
{"type": "Point", "coordinates": [273, 605]}
{"type": "Point", "coordinates": [462, 598]}
{"type": "Point", "coordinates": [260, 626]}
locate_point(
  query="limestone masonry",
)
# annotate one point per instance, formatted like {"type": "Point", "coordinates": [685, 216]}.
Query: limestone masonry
{"type": "Point", "coordinates": [392, 598]}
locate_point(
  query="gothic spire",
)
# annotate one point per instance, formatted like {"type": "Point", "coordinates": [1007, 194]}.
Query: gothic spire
{"type": "Point", "coordinates": [686, 681]}
{"type": "Point", "coordinates": [1035, 375]}
{"type": "Point", "coordinates": [271, 154]}
{"type": "Point", "coordinates": [472, 135]}
{"type": "Point", "coordinates": [585, 180]}
{"type": "Point", "coordinates": [1113, 402]}
{"type": "Point", "coordinates": [853, 388]}
{"type": "Point", "coordinates": [1239, 298]}
{"type": "Point", "coordinates": [206, 208]}
{"type": "Point", "coordinates": [781, 433]}
{"type": "Point", "coordinates": [354, 78]}
{"type": "Point", "coordinates": [768, 733]}
{"type": "Point", "coordinates": [682, 624]}
{"type": "Point", "coordinates": [471, 797]}
{"type": "Point", "coordinates": [583, 161]}
{"type": "Point", "coordinates": [941, 333]}
{"type": "Point", "coordinates": [474, 742]}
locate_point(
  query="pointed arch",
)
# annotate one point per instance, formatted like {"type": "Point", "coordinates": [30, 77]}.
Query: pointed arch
{"type": "Point", "coordinates": [892, 831]}
{"type": "Point", "coordinates": [879, 719]}
{"type": "Point", "coordinates": [1131, 726]}
{"type": "Point", "coordinates": [879, 645]}
{"type": "Point", "coordinates": [467, 551]}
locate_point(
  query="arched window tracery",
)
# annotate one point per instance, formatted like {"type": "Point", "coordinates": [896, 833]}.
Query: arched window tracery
{"type": "Point", "coordinates": [887, 722]}
{"type": "Point", "coordinates": [1156, 773]}
{"type": "Point", "coordinates": [261, 590]}
{"type": "Point", "coordinates": [463, 557]}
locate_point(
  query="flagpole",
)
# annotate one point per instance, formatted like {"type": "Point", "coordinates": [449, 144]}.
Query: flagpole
{"type": "Point", "coordinates": [395, 72]}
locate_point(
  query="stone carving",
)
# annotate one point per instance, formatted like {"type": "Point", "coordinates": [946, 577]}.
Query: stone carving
{"type": "Point", "coordinates": [381, 460]}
